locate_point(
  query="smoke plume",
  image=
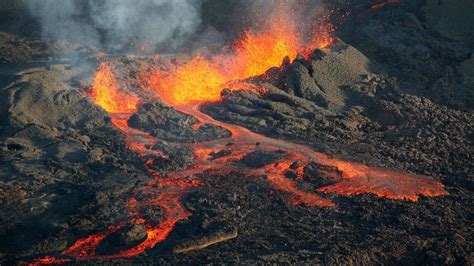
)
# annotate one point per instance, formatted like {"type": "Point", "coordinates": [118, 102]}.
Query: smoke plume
{"type": "Point", "coordinates": [118, 24]}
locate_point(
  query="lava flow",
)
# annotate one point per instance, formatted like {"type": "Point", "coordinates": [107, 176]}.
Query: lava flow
{"type": "Point", "coordinates": [199, 81]}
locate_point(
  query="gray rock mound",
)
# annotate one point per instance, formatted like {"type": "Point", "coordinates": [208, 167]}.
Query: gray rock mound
{"type": "Point", "coordinates": [167, 124]}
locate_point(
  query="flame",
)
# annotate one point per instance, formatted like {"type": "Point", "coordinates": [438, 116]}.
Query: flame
{"type": "Point", "coordinates": [105, 92]}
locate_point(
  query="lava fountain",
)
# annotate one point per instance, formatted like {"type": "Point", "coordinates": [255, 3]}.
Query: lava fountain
{"type": "Point", "coordinates": [200, 81]}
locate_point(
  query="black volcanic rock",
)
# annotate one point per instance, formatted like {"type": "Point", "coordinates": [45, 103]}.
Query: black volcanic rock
{"type": "Point", "coordinates": [320, 176]}
{"type": "Point", "coordinates": [211, 233]}
{"type": "Point", "coordinates": [426, 44]}
{"type": "Point", "coordinates": [258, 159]}
{"type": "Point", "coordinates": [126, 237]}
{"type": "Point", "coordinates": [168, 124]}
{"type": "Point", "coordinates": [296, 80]}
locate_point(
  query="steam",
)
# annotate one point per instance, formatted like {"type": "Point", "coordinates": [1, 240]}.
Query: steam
{"type": "Point", "coordinates": [118, 24]}
{"type": "Point", "coordinates": [125, 25]}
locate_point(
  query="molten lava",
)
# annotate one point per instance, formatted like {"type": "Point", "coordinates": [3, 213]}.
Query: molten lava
{"type": "Point", "coordinates": [201, 80]}
{"type": "Point", "coordinates": [258, 52]}
{"type": "Point", "coordinates": [105, 93]}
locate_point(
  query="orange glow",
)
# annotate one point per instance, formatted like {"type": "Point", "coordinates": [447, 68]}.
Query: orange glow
{"type": "Point", "coordinates": [86, 247]}
{"type": "Point", "coordinates": [105, 92]}
{"type": "Point", "coordinates": [196, 81]}
{"type": "Point", "coordinates": [258, 52]}
{"type": "Point", "coordinates": [202, 79]}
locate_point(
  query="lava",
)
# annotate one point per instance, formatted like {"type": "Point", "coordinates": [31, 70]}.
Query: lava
{"type": "Point", "coordinates": [199, 81]}
{"type": "Point", "coordinates": [202, 79]}
{"type": "Point", "coordinates": [105, 93]}
{"type": "Point", "coordinates": [47, 260]}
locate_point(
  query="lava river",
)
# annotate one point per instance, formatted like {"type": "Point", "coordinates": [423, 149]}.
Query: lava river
{"type": "Point", "coordinates": [200, 81]}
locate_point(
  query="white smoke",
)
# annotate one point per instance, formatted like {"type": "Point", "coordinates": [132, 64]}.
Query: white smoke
{"type": "Point", "coordinates": [117, 24]}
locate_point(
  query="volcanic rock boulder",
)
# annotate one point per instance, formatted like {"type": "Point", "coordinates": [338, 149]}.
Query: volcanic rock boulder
{"type": "Point", "coordinates": [42, 97]}
{"type": "Point", "coordinates": [259, 159]}
{"type": "Point", "coordinates": [44, 115]}
{"type": "Point", "coordinates": [127, 237]}
{"type": "Point", "coordinates": [343, 65]}
{"type": "Point", "coordinates": [296, 80]}
{"type": "Point", "coordinates": [321, 176]}
{"type": "Point", "coordinates": [303, 91]}
{"type": "Point", "coordinates": [211, 233]}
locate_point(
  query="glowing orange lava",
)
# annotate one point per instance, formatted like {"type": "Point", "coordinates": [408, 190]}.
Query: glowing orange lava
{"type": "Point", "coordinates": [199, 81]}
{"type": "Point", "coordinates": [105, 93]}
{"type": "Point", "coordinates": [202, 79]}
{"type": "Point", "coordinates": [257, 52]}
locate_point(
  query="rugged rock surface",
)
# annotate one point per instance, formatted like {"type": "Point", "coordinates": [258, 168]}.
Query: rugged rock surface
{"type": "Point", "coordinates": [127, 237]}
{"type": "Point", "coordinates": [166, 123]}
